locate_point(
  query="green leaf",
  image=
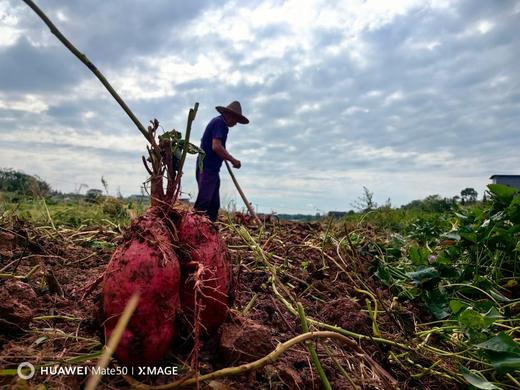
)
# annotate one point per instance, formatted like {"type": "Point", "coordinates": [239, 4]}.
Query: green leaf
{"type": "Point", "coordinates": [418, 256]}
{"type": "Point", "coordinates": [451, 236]}
{"type": "Point", "coordinates": [491, 316]}
{"type": "Point", "coordinates": [423, 275]}
{"type": "Point", "coordinates": [477, 381]}
{"type": "Point", "coordinates": [437, 303]}
{"type": "Point", "coordinates": [500, 343]}
{"type": "Point", "coordinates": [502, 192]}
{"type": "Point", "coordinates": [499, 216]}
{"type": "Point", "coordinates": [472, 323]}
{"type": "Point", "coordinates": [193, 149]}
{"type": "Point", "coordinates": [170, 135]}
{"type": "Point", "coordinates": [497, 296]}
{"type": "Point", "coordinates": [513, 211]}
{"type": "Point", "coordinates": [503, 353]}
{"type": "Point", "coordinates": [504, 361]}
{"type": "Point", "coordinates": [472, 237]}
{"type": "Point", "coordinates": [384, 274]}
{"type": "Point", "coordinates": [456, 306]}
{"type": "Point", "coordinates": [483, 306]}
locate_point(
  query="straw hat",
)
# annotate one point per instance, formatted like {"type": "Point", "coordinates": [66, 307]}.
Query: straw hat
{"type": "Point", "coordinates": [235, 109]}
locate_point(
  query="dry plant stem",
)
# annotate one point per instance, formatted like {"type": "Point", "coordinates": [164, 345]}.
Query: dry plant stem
{"type": "Point", "coordinates": [249, 305]}
{"type": "Point", "coordinates": [114, 341]}
{"type": "Point", "coordinates": [372, 313]}
{"type": "Point", "coordinates": [345, 373]}
{"type": "Point", "coordinates": [9, 264]}
{"type": "Point", "coordinates": [156, 178]}
{"type": "Point", "coordinates": [53, 284]}
{"type": "Point", "coordinates": [89, 288]}
{"type": "Point", "coordinates": [512, 379]}
{"type": "Point", "coordinates": [242, 195]}
{"type": "Point", "coordinates": [83, 58]}
{"type": "Point", "coordinates": [314, 356]}
{"type": "Point", "coordinates": [22, 277]}
{"type": "Point", "coordinates": [168, 162]}
{"type": "Point", "coordinates": [48, 213]}
{"type": "Point", "coordinates": [191, 117]}
{"type": "Point", "coordinates": [238, 370]}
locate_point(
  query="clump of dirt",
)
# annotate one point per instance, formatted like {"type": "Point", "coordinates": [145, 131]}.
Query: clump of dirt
{"type": "Point", "coordinates": [16, 299]}
{"type": "Point", "coordinates": [7, 243]}
{"type": "Point", "coordinates": [347, 314]}
{"type": "Point", "coordinates": [244, 341]}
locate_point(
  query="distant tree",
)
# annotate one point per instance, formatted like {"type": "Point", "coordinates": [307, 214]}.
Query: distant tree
{"type": "Point", "coordinates": [21, 183]}
{"type": "Point", "coordinates": [432, 203]}
{"type": "Point", "coordinates": [92, 195]}
{"type": "Point", "coordinates": [336, 214]}
{"type": "Point", "coordinates": [468, 195]}
{"type": "Point", "coordinates": [366, 201]}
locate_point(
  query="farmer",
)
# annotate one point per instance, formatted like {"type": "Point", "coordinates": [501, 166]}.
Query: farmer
{"type": "Point", "coordinates": [213, 143]}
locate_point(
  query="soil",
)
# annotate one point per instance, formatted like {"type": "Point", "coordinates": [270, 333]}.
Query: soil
{"type": "Point", "coordinates": [54, 314]}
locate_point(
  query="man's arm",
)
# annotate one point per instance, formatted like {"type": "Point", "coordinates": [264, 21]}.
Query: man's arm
{"type": "Point", "coordinates": [217, 147]}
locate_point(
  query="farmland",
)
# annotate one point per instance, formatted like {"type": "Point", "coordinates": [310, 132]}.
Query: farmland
{"type": "Point", "coordinates": [415, 297]}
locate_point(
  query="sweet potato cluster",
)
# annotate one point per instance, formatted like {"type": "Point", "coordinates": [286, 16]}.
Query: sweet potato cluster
{"type": "Point", "coordinates": [179, 265]}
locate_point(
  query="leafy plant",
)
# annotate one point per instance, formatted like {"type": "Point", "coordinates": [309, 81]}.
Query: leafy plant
{"type": "Point", "coordinates": [465, 276]}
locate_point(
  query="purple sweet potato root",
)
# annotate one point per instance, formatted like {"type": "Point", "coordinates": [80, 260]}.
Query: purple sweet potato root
{"type": "Point", "coordinates": [146, 263]}
{"type": "Point", "coordinates": [204, 252]}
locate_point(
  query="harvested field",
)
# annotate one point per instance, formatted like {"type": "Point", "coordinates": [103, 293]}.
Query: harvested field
{"type": "Point", "coordinates": [50, 316]}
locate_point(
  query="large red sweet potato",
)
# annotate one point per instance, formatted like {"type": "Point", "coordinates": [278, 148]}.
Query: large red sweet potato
{"type": "Point", "coordinates": [146, 263]}
{"type": "Point", "coordinates": [205, 280]}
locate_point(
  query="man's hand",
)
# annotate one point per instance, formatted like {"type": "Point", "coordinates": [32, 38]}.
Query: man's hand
{"type": "Point", "coordinates": [217, 147]}
{"type": "Point", "coordinates": [236, 163]}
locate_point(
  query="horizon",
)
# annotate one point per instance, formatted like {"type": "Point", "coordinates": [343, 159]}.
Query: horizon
{"type": "Point", "coordinates": [82, 190]}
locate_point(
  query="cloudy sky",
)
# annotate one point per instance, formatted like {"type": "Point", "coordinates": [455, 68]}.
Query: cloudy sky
{"type": "Point", "coordinates": [408, 98]}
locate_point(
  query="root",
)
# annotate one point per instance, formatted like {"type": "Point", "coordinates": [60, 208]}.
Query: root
{"type": "Point", "coordinates": [197, 321]}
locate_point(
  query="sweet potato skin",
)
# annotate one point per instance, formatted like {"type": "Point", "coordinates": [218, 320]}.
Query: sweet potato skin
{"type": "Point", "coordinates": [146, 263]}
{"type": "Point", "coordinates": [205, 266]}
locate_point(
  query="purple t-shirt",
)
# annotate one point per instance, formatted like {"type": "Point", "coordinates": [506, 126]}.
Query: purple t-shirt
{"type": "Point", "coordinates": [217, 128]}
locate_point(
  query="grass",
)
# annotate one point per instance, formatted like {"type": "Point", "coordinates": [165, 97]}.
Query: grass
{"type": "Point", "coordinates": [71, 212]}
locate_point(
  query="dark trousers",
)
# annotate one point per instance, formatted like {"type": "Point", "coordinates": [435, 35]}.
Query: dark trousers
{"type": "Point", "coordinates": [208, 199]}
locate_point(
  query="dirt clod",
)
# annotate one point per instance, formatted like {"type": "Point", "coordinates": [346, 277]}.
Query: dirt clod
{"type": "Point", "coordinates": [16, 298]}
{"type": "Point", "coordinates": [347, 314]}
{"type": "Point", "coordinates": [244, 341]}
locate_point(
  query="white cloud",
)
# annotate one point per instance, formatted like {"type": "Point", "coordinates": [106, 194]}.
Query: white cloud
{"type": "Point", "coordinates": [393, 97]}
{"type": "Point", "coordinates": [355, 109]}
{"type": "Point", "coordinates": [485, 26]}
{"type": "Point", "coordinates": [27, 103]}
{"type": "Point", "coordinates": [9, 32]}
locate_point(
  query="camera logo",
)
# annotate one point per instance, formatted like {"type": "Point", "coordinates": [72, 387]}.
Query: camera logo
{"type": "Point", "coordinates": [23, 368]}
